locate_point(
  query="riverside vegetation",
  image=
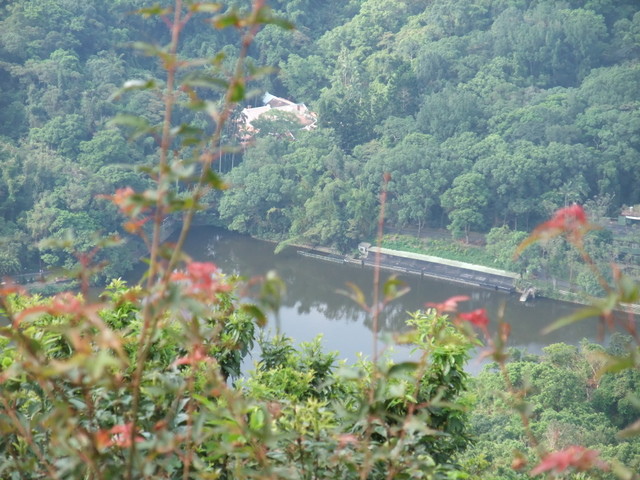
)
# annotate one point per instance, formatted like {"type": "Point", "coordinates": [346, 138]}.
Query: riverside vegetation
{"type": "Point", "coordinates": [145, 383]}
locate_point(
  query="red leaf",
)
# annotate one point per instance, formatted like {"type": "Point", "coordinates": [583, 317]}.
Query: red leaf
{"type": "Point", "coordinates": [194, 357]}
{"type": "Point", "coordinates": [570, 221]}
{"type": "Point", "coordinates": [201, 279]}
{"type": "Point", "coordinates": [449, 305]}
{"type": "Point", "coordinates": [119, 435]}
{"type": "Point", "coordinates": [122, 435]}
{"type": "Point", "coordinates": [477, 317]}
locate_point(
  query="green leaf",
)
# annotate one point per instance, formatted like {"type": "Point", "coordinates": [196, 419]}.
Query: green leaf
{"type": "Point", "coordinates": [181, 204]}
{"type": "Point", "coordinates": [255, 312]}
{"type": "Point", "coordinates": [205, 7]}
{"type": "Point", "coordinates": [355, 294]}
{"type": "Point", "coordinates": [632, 430]}
{"type": "Point", "coordinates": [146, 48]}
{"type": "Point", "coordinates": [257, 419]}
{"type": "Point", "coordinates": [138, 84]}
{"type": "Point", "coordinates": [273, 290]}
{"type": "Point", "coordinates": [202, 79]}
{"type": "Point", "coordinates": [134, 84]}
{"type": "Point", "coordinates": [407, 338]}
{"type": "Point", "coordinates": [258, 72]}
{"type": "Point", "coordinates": [218, 59]}
{"type": "Point", "coordinates": [265, 16]}
{"type": "Point", "coordinates": [212, 109]}
{"type": "Point", "coordinates": [205, 401]}
{"type": "Point", "coordinates": [605, 307]}
{"type": "Point", "coordinates": [129, 120]}
{"type": "Point", "coordinates": [140, 125]}
{"type": "Point", "coordinates": [349, 373]}
{"type": "Point", "coordinates": [397, 390]}
{"type": "Point", "coordinates": [237, 91]}
{"type": "Point", "coordinates": [402, 369]}
{"type": "Point", "coordinates": [154, 10]}
{"type": "Point", "coordinates": [214, 180]}
{"type": "Point", "coordinates": [394, 288]}
{"type": "Point", "coordinates": [380, 430]}
{"type": "Point", "coordinates": [629, 290]}
{"type": "Point", "coordinates": [621, 471]}
{"type": "Point", "coordinates": [187, 130]}
{"type": "Point", "coordinates": [618, 364]}
{"type": "Point", "coordinates": [230, 19]}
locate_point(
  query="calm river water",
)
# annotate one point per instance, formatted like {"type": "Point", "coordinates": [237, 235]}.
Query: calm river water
{"type": "Point", "coordinates": [313, 305]}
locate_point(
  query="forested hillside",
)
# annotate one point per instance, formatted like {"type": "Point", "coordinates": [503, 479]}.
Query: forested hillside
{"type": "Point", "coordinates": [485, 112]}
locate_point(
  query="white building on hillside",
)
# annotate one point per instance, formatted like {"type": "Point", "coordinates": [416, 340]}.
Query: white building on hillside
{"type": "Point", "coordinates": [307, 119]}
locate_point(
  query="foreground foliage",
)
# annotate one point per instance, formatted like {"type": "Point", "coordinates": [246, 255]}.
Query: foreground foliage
{"type": "Point", "coordinates": [136, 385]}
{"type": "Point", "coordinates": [66, 396]}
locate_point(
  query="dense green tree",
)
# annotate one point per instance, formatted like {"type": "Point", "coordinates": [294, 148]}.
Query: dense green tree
{"type": "Point", "coordinates": [501, 245]}
{"type": "Point", "coordinates": [62, 134]}
{"type": "Point", "coordinates": [465, 202]}
{"type": "Point", "coordinates": [14, 251]}
{"type": "Point", "coordinates": [627, 36]}
{"type": "Point", "coordinates": [324, 219]}
{"type": "Point", "coordinates": [450, 112]}
{"type": "Point", "coordinates": [304, 78]}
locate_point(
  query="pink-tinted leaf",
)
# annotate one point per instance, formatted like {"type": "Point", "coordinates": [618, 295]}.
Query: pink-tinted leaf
{"type": "Point", "coordinates": [570, 221]}
{"type": "Point", "coordinates": [476, 317]}
{"type": "Point", "coordinates": [449, 305]}
{"type": "Point", "coordinates": [205, 7]}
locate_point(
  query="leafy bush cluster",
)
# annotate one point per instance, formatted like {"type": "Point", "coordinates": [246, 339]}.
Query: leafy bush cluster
{"type": "Point", "coordinates": [136, 385]}
{"type": "Point", "coordinates": [484, 112]}
{"type": "Point", "coordinates": [70, 407]}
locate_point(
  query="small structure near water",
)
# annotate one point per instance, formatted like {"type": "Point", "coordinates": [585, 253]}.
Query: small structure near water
{"type": "Point", "coordinates": [527, 293]}
{"type": "Point", "coordinates": [441, 268]}
{"type": "Point", "coordinates": [363, 248]}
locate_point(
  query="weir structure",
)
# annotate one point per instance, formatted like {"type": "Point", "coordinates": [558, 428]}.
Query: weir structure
{"type": "Point", "coordinates": [441, 268]}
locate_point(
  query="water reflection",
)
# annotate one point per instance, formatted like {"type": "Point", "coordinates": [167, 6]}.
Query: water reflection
{"type": "Point", "coordinates": [313, 305]}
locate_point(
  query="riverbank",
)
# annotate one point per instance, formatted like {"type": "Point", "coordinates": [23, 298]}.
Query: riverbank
{"type": "Point", "coordinates": [423, 266]}
{"type": "Point", "coordinates": [438, 243]}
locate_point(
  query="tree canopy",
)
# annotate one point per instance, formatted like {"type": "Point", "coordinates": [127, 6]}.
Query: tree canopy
{"type": "Point", "coordinates": [536, 101]}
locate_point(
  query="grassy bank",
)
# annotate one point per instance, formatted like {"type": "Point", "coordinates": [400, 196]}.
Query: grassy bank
{"type": "Point", "coordinates": [449, 249]}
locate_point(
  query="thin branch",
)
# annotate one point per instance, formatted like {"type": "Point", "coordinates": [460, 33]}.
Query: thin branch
{"type": "Point", "coordinates": [376, 270]}
{"type": "Point", "coordinates": [207, 157]}
{"type": "Point", "coordinates": [150, 322]}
